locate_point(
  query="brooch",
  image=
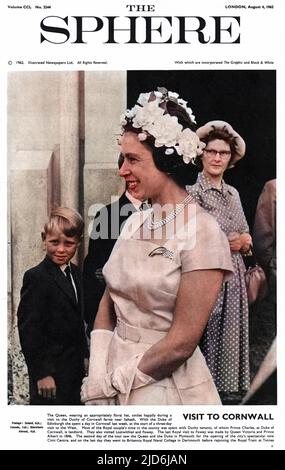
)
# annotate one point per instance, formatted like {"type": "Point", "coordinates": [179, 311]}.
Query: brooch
{"type": "Point", "coordinates": [161, 250]}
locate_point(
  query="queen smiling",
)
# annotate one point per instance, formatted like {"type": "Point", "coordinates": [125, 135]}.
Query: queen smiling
{"type": "Point", "coordinates": [161, 280]}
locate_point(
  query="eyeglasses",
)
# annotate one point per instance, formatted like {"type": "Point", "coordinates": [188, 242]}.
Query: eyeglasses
{"type": "Point", "coordinates": [213, 153]}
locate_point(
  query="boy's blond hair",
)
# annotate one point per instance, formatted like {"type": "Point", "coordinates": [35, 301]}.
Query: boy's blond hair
{"type": "Point", "coordinates": [65, 220]}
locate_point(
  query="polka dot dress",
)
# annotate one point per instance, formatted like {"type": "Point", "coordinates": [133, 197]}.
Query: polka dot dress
{"type": "Point", "coordinates": [225, 343]}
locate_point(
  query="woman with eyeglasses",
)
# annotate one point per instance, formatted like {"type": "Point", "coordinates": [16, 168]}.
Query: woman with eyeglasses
{"type": "Point", "coordinates": [225, 340]}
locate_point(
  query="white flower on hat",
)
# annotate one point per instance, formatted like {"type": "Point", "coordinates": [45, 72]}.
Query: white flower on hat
{"type": "Point", "coordinates": [169, 151]}
{"type": "Point", "coordinates": [191, 115]}
{"type": "Point", "coordinates": [142, 136]}
{"type": "Point", "coordinates": [151, 116]}
{"type": "Point", "coordinates": [172, 94]}
{"type": "Point", "coordinates": [143, 99]}
{"type": "Point", "coordinates": [188, 145]}
{"type": "Point", "coordinates": [147, 114]}
{"type": "Point", "coordinates": [158, 94]}
{"type": "Point", "coordinates": [165, 130]}
{"type": "Point", "coordinates": [182, 103]}
{"type": "Point", "coordinates": [129, 114]}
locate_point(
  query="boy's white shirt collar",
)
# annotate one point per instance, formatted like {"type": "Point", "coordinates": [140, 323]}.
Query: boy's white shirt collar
{"type": "Point", "coordinates": [63, 266]}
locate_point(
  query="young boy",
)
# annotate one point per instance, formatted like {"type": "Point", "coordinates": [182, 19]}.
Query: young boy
{"type": "Point", "coordinates": [50, 315]}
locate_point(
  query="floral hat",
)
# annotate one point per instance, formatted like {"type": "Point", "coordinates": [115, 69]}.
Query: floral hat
{"type": "Point", "coordinates": [151, 116]}
{"type": "Point", "coordinates": [239, 143]}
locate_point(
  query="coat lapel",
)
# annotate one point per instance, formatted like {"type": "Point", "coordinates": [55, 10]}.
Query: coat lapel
{"type": "Point", "coordinates": [61, 280]}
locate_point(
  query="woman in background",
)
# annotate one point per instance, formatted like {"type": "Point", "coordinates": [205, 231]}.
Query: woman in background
{"type": "Point", "coordinates": [225, 343]}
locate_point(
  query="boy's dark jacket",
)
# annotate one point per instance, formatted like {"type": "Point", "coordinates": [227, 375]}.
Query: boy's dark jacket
{"type": "Point", "coordinates": [51, 327]}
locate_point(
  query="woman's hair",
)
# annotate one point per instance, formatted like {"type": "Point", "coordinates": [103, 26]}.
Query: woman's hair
{"type": "Point", "coordinates": [65, 220]}
{"type": "Point", "coordinates": [173, 164]}
{"type": "Point", "coordinates": [220, 134]}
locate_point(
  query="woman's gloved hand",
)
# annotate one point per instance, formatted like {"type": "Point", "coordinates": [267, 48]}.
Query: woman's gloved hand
{"type": "Point", "coordinates": [122, 380]}
{"type": "Point", "coordinates": [99, 351]}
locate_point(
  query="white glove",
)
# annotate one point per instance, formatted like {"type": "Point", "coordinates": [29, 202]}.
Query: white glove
{"type": "Point", "coordinates": [122, 380]}
{"type": "Point", "coordinates": [99, 350]}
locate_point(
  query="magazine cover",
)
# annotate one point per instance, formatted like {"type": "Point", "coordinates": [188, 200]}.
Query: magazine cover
{"type": "Point", "coordinates": [140, 147]}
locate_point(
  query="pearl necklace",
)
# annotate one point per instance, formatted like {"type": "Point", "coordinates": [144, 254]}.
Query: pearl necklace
{"type": "Point", "coordinates": [151, 225]}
